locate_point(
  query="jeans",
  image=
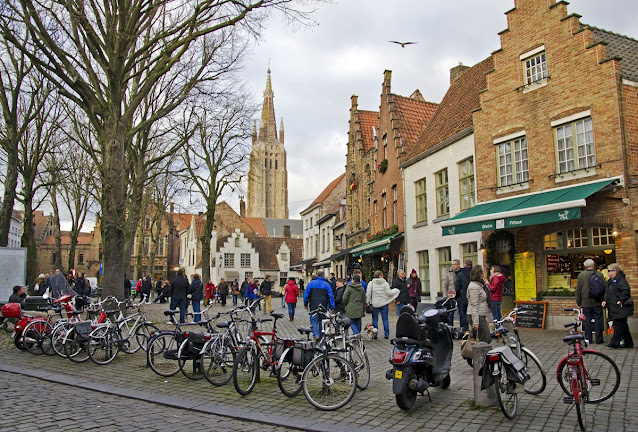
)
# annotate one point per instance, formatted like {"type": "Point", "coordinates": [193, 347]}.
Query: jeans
{"type": "Point", "coordinates": [450, 319]}
{"type": "Point", "coordinates": [197, 317]}
{"type": "Point", "coordinates": [496, 310]}
{"type": "Point", "coordinates": [283, 301]}
{"type": "Point", "coordinates": [463, 316]}
{"type": "Point", "coordinates": [355, 325]}
{"type": "Point", "coordinates": [315, 322]}
{"type": "Point", "coordinates": [399, 306]}
{"type": "Point", "coordinates": [234, 300]}
{"type": "Point", "coordinates": [267, 303]}
{"type": "Point", "coordinates": [595, 313]}
{"type": "Point", "coordinates": [181, 303]}
{"type": "Point", "coordinates": [291, 309]}
{"type": "Point", "coordinates": [384, 318]}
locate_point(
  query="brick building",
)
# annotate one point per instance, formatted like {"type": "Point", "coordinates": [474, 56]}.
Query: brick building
{"type": "Point", "coordinates": [556, 138]}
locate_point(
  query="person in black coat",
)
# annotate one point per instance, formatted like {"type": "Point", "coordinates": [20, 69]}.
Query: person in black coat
{"type": "Point", "coordinates": [403, 285]}
{"type": "Point", "coordinates": [620, 306]}
{"type": "Point", "coordinates": [460, 286]}
{"type": "Point", "coordinates": [127, 287]}
{"type": "Point", "coordinates": [147, 286]}
{"type": "Point", "coordinates": [196, 294]}
{"type": "Point", "coordinates": [179, 290]}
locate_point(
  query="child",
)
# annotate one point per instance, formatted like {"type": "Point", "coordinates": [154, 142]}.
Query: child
{"type": "Point", "coordinates": [448, 303]}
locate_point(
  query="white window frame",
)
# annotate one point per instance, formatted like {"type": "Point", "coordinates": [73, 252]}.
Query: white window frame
{"type": "Point", "coordinates": [513, 162]}
{"type": "Point", "coordinates": [442, 192]}
{"type": "Point", "coordinates": [467, 184]}
{"type": "Point", "coordinates": [229, 259]}
{"type": "Point", "coordinates": [535, 66]}
{"type": "Point", "coordinates": [575, 153]}
{"type": "Point", "coordinates": [244, 259]}
{"type": "Point", "coordinates": [421, 200]}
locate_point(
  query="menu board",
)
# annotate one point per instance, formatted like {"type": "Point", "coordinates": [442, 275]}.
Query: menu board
{"type": "Point", "coordinates": [525, 275]}
{"type": "Point", "coordinates": [559, 281]}
{"type": "Point", "coordinates": [534, 316]}
{"type": "Point", "coordinates": [552, 261]}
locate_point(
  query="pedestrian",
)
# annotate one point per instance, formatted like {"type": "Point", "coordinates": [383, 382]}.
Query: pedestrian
{"type": "Point", "coordinates": [318, 293]}
{"type": "Point", "coordinates": [223, 291]}
{"type": "Point", "coordinates": [415, 289]}
{"type": "Point", "coordinates": [620, 305]}
{"type": "Point", "coordinates": [338, 293]}
{"type": "Point", "coordinates": [301, 287]}
{"type": "Point", "coordinates": [251, 294]}
{"type": "Point", "coordinates": [166, 291]}
{"type": "Point", "coordinates": [592, 308]}
{"type": "Point", "coordinates": [266, 292]}
{"type": "Point", "coordinates": [196, 294]}
{"type": "Point", "coordinates": [291, 292]}
{"type": "Point", "coordinates": [127, 287]}
{"type": "Point", "coordinates": [242, 291]}
{"type": "Point", "coordinates": [479, 304]}
{"type": "Point", "coordinates": [80, 289]}
{"type": "Point", "coordinates": [496, 283]}
{"type": "Point", "coordinates": [354, 300]}
{"type": "Point", "coordinates": [460, 286]}
{"type": "Point", "coordinates": [380, 295]}
{"type": "Point", "coordinates": [147, 286]}
{"type": "Point", "coordinates": [450, 277]}
{"type": "Point", "coordinates": [403, 285]}
{"type": "Point", "coordinates": [179, 290]}
{"type": "Point", "coordinates": [138, 290]}
{"type": "Point", "coordinates": [333, 282]}
{"type": "Point", "coordinates": [158, 290]}
{"type": "Point", "coordinates": [208, 291]}
{"type": "Point", "coordinates": [19, 295]}
{"type": "Point", "coordinates": [363, 283]}
{"type": "Point", "coordinates": [282, 291]}
{"type": "Point", "coordinates": [235, 291]}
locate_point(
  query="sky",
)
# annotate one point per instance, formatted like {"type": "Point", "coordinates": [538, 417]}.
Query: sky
{"type": "Point", "coordinates": [316, 69]}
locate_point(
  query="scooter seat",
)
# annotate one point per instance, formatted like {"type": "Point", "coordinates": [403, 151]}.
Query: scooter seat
{"type": "Point", "coordinates": [405, 340]}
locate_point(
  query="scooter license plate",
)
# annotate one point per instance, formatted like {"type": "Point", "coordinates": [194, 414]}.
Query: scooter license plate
{"type": "Point", "coordinates": [398, 374]}
{"type": "Point", "coordinates": [13, 334]}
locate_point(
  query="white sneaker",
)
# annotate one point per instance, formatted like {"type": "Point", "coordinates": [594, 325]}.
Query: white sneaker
{"type": "Point", "coordinates": [170, 322]}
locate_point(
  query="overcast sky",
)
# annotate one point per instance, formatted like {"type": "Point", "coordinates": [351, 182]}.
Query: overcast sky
{"type": "Point", "coordinates": [316, 69]}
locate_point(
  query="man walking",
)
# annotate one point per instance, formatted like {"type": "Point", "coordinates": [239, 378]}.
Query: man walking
{"type": "Point", "coordinates": [266, 292]}
{"type": "Point", "coordinates": [591, 307]}
{"type": "Point", "coordinates": [318, 292]}
{"type": "Point", "coordinates": [450, 277]}
{"type": "Point", "coordinates": [460, 285]}
{"type": "Point", "coordinates": [403, 285]}
{"type": "Point", "coordinates": [179, 289]}
{"type": "Point", "coordinates": [223, 291]}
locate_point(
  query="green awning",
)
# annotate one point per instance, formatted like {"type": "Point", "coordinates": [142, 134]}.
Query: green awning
{"type": "Point", "coordinates": [530, 209]}
{"type": "Point", "coordinates": [373, 247]}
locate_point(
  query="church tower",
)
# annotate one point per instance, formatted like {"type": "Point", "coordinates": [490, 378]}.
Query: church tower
{"type": "Point", "coordinates": [268, 174]}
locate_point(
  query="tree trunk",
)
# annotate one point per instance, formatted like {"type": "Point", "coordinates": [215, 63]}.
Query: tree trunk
{"type": "Point", "coordinates": [113, 202]}
{"type": "Point", "coordinates": [28, 241]}
{"type": "Point", "coordinates": [8, 200]}
{"type": "Point", "coordinates": [134, 212]}
{"type": "Point", "coordinates": [139, 253]}
{"type": "Point", "coordinates": [57, 261]}
{"type": "Point", "coordinates": [72, 244]}
{"type": "Point", "coordinates": [205, 239]}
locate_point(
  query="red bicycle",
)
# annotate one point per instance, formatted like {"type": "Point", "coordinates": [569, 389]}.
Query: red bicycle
{"type": "Point", "coordinates": [585, 375]}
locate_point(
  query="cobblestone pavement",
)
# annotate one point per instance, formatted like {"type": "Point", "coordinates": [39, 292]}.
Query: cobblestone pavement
{"type": "Point", "coordinates": [128, 383]}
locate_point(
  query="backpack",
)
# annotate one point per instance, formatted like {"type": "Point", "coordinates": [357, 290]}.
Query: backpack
{"type": "Point", "coordinates": [596, 287]}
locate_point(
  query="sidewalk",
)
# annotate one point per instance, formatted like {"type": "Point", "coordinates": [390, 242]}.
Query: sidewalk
{"type": "Point", "coordinates": [372, 409]}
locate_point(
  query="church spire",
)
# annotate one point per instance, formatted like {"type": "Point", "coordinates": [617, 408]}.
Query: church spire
{"type": "Point", "coordinates": [268, 126]}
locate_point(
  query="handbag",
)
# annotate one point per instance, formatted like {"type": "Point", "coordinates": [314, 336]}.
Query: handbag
{"type": "Point", "coordinates": [467, 347]}
{"type": "Point", "coordinates": [369, 307]}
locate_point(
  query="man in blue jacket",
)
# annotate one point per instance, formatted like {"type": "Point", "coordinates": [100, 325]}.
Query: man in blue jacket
{"type": "Point", "coordinates": [318, 292]}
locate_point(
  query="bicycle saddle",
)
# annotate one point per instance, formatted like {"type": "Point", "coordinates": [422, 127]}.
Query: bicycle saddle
{"type": "Point", "coordinates": [277, 315]}
{"type": "Point", "coordinates": [304, 330]}
{"type": "Point", "coordinates": [344, 321]}
{"type": "Point", "coordinates": [170, 312]}
{"type": "Point", "coordinates": [223, 324]}
{"type": "Point", "coordinates": [75, 313]}
{"type": "Point", "coordinates": [261, 320]}
{"type": "Point", "coordinates": [575, 337]}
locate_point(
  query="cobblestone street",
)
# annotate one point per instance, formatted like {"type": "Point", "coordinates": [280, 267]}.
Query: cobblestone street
{"type": "Point", "coordinates": [126, 395]}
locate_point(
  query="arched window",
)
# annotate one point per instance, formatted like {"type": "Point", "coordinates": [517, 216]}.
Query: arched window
{"type": "Point", "coordinates": [275, 163]}
{"type": "Point", "coordinates": [266, 163]}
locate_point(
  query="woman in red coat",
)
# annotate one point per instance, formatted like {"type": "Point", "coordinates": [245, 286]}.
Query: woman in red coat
{"type": "Point", "coordinates": [496, 283]}
{"type": "Point", "coordinates": [291, 293]}
{"type": "Point", "coordinates": [208, 290]}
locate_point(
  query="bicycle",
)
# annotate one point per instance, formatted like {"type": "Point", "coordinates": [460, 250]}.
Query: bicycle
{"type": "Point", "coordinates": [585, 375]}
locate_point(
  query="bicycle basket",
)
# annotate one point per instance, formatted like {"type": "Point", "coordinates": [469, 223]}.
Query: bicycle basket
{"type": "Point", "coordinates": [110, 307]}
{"type": "Point", "coordinates": [302, 352]}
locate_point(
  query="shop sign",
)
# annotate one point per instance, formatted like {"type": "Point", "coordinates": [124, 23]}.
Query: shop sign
{"type": "Point", "coordinates": [525, 275]}
{"type": "Point", "coordinates": [552, 261]}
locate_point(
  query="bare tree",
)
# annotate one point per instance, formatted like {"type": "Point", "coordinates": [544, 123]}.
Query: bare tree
{"type": "Point", "coordinates": [216, 155]}
{"type": "Point", "coordinates": [107, 57]}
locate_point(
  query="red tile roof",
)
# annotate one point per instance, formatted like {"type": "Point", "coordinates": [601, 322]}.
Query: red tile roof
{"type": "Point", "coordinates": [83, 239]}
{"type": "Point", "coordinates": [328, 190]}
{"type": "Point", "coordinates": [182, 221]}
{"type": "Point", "coordinates": [269, 247]}
{"type": "Point", "coordinates": [257, 224]}
{"type": "Point", "coordinates": [454, 113]}
{"type": "Point", "coordinates": [369, 122]}
{"type": "Point", "coordinates": [413, 114]}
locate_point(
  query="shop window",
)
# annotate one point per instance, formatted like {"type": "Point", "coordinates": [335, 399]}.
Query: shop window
{"type": "Point", "coordinates": [602, 236]}
{"type": "Point", "coordinates": [470, 252]}
{"type": "Point", "coordinates": [577, 238]}
{"type": "Point", "coordinates": [575, 152]}
{"type": "Point", "coordinates": [445, 263]}
{"type": "Point", "coordinates": [424, 271]}
{"type": "Point", "coordinates": [553, 241]}
{"type": "Point", "coordinates": [466, 183]}
{"type": "Point", "coordinates": [442, 193]}
{"type": "Point", "coordinates": [421, 204]}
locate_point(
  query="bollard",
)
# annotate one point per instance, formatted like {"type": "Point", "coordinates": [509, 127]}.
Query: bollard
{"type": "Point", "coordinates": [487, 397]}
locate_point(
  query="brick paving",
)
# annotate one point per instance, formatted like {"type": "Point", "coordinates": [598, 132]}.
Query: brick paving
{"type": "Point", "coordinates": [128, 382]}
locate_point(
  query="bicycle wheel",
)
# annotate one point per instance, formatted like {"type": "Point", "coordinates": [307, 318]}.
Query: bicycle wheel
{"type": "Point", "coordinates": [602, 377]}
{"type": "Point", "coordinates": [47, 344]}
{"type": "Point", "coordinates": [189, 362]}
{"type": "Point", "coordinates": [577, 386]}
{"type": "Point", "coordinates": [329, 382]}
{"type": "Point", "coordinates": [32, 337]}
{"type": "Point", "coordinates": [537, 379]}
{"type": "Point", "coordinates": [57, 339]}
{"type": "Point", "coordinates": [130, 345]}
{"type": "Point", "coordinates": [74, 348]}
{"type": "Point", "coordinates": [143, 334]}
{"type": "Point", "coordinates": [217, 362]}
{"type": "Point", "coordinates": [103, 346]}
{"type": "Point", "coordinates": [289, 379]}
{"type": "Point", "coordinates": [246, 370]}
{"type": "Point", "coordinates": [507, 399]}
{"type": "Point", "coordinates": [162, 354]}
{"type": "Point", "coordinates": [359, 359]}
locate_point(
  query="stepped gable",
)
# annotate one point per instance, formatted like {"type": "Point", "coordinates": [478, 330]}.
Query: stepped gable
{"type": "Point", "coordinates": [413, 114]}
{"type": "Point", "coordinates": [369, 123]}
{"type": "Point", "coordinates": [619, 46]}
{"type": "Point", "coordinates": [454, 113]}
{"type": "Point", "coordinates": [269, 247]}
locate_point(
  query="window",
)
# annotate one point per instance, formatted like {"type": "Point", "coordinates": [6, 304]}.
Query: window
{"type": "Point", "coordinates": [229, 260]}
{"type": "Point", "coordinates": [284, 276]}
{"type": "Point", "coordinates": [284, 256]}
{"type": "Point", "coordinates": [147, 245]}
{"type": "Point", "coordinates": [395, 196]}
{"type": "Point", "coordinates": [236, 242]}
{"type": "Point", "coordinates": [535, 68]}
{"type": "Point", "coordinates": [248, 275]}
{"type": "Point", "coordinates": [553, 241]}
{"type": "Point", "coordinates": [442, 193]}
{"type": "Point", "coordinates": [466, 183]}
{"type": "Point", "coordinates": [421, 198]}
{"type": "Point", "coordinates": [80, 258]}
{"type": "Point", "coordinates": [385, 146]}
{"type": "Point", "coordinates": [385, 210]}
{"type": "Point", "coordinates": [518, 171]}
{"type": "Point", "coordinates": [424, 271]}
{"type": "Point", "coordinates": [445, 263]}
{"type": "Point", "coordinates": [275, 163]}
{"type": "Point", "coordinates": [162, 246]}
{"type": "Point", "coordinates": [602, 237]}
{"type": "Point", "coordinates": [323, 240]}
{"type": "Point", "coordinates": [579, 153]}
{"type": "Point", "coordinates": [245, 260]}
{"type": "Point", "coordinates": [577, 238]}
{"type": "Point", "coordinates": [470, 252]}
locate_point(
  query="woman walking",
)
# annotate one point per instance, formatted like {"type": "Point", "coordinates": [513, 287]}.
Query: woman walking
{"type": "Point", "coordinates": [196, 293]}
{"type": "Point", "coordinates": [380, 295]}
{"type": "Point", "coordinates": [620, 306]}
{"type": "Point", "coordinates": [479, 304]}
{"type": "Point", "coordinates": [415, 289]}
{"type": "Point", "coordinates": [291, 292]}
{"type": "Point", "coordinates": [354, 300]}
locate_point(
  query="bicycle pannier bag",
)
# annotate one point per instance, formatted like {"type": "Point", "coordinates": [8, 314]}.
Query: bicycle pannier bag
{"type": "Point", "coordinates": [302, 353]}
{"type": "Point", "coordinates": [280, 346]}
{"type": "Point", "coordinates": [596, 287]}
{"type": "Point", "coordinates": [83, 330]}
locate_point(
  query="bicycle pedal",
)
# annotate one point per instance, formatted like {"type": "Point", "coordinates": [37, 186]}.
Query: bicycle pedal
{"type": "Point", "coordinates": [568, 400]}
{"type": "Point", "coordinates": [594, 382]}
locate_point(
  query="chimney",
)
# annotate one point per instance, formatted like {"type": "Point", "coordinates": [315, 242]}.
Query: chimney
{"type": "Point", "coordinates": [242, 207]}
{"type": "Point", "coordinates": [457, 71]}
{"type": "Point", "coordinates": [287, 231]}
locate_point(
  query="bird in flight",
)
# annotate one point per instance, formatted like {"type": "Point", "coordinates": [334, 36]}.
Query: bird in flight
{"type": "Point", "coordinates": [403, 44]}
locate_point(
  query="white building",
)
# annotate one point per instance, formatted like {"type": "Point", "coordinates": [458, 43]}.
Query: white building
{"type": "Point", "coordinates": [15, 230]}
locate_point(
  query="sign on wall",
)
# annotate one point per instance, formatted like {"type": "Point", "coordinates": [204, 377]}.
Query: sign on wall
{"type": "Point", "coordinates": [13, 270]}
{"type": "Point", "coordinates": [525, 275]}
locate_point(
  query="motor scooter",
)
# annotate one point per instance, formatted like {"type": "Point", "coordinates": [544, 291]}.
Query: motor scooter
{"type": "Point", "coordinates": [24, 318]}
{"type": "Point", "coordinates": [421, 356]}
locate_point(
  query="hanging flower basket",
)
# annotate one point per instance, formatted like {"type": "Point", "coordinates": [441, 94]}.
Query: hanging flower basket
{"type": "Point", "coordinates": [382, 166]}
{"type": "Point", "coordinates": [353, 186]}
